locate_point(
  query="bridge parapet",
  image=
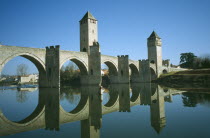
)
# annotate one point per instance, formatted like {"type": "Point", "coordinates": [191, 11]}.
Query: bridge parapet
{"type": "Point", "coordinates": [166, 63]}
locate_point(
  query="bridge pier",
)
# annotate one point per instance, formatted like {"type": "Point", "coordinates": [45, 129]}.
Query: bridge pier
{"type": "Point", "coordinates": [113, 79]}
{"type": "Point", "coordinates": [94, 65]}
{"type": "Point", "coordinates": [135, 79]}
{"type": "Point", "coordinates": [124, 98]}
{"type": "Point", "coordinates": [123, 69]}
{"type": "Point", "coordinates": [144, 69]}
{"type": "Point", "coordinates": [53, 66]}
{"type": "Point", "coordinates": [145, 94]}
{"type": "Point", "coordinates": [52, 108]}
{"type": "Point", "coordinates": [91, 127]}
{"type": "Point", "coordinates": [43, 79]}
{"type": "Point", "coordinates": [84, 79]}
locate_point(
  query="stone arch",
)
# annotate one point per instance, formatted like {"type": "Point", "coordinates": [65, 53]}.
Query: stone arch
{"type": "Point", "coordinates": [112, 68]}
{"type": "Point", "coordinates": [165, 71]}
{"type": "Point", "coordinates": [153, 89]}
{"type": "Point", "coordinates": [135, 92]}
{"type": "Point", "coordinates": [79, 108]}
{"type": "Point", "coordinates": [135, 96]}
{"type": "Point", "coordinates": [134, 72]}
{"type": "Point", "coordinates": [134, 69]}
{"type": "Point", "coordinates": [81, 105]}
{"type": "Point", "coordinates": [34, 59]}
{"type": "Point", "coordinates": [40, 65]}
{"type": "Point", "coordinates": [35, 115]}
{"type": "Point", "coordinates": [153, 74]}
{"type": "Point", "coordinates": [80, 63]}
{"type": "Point", "coordinates": [113, 99]}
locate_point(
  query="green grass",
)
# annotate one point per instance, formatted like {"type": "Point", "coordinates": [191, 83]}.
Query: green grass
{"type": "Point", "coordinates": [188, 72]}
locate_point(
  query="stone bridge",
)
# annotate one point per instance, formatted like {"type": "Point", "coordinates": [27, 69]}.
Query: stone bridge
{"type": "Point", "coordinates": [121, 69]}
{"type": "Point", "coordinates": [49, 114]}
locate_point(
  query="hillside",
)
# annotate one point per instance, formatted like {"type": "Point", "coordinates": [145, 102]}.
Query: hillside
{"type": "Point", "coordinates": [199, 78]}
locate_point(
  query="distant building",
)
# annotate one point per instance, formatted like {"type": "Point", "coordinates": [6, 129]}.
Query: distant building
{"type": "Point", "coordinates": [3, 78]}
{"type": "Point", "coordinates": [175, 66]}
{"type": "Point", "coordinates": [8, 79]}
{"type": "Point", "coordinates": [28, 78]}
{"type": "Point", "coordinates": [27, 89]}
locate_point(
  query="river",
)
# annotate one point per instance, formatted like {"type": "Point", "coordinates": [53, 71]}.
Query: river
{"type": "Point", "coordinates": [124, 110]}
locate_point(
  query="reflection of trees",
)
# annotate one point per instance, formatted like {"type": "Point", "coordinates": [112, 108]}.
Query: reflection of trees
{"type": "Point", "coordinates": [192, 99]}
{"type": "Point", "coordinates": [73, 96]}
{"type": "Point", "coordinates": [21, 97]}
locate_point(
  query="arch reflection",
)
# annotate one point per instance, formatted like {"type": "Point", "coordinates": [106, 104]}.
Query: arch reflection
{"type": "Point", "coordinates": [50, 115]}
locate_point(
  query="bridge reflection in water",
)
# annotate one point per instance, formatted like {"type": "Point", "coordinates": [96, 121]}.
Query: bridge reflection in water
{"type": "Point", "coordinates": [49, 114]}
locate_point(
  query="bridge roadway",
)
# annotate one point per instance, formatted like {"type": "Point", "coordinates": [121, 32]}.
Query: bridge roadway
{"type": "Point", "coordinates": [49, 114]}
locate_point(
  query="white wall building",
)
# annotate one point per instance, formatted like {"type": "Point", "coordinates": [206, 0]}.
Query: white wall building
{"type": "Point", "coordinates": [28, 78]}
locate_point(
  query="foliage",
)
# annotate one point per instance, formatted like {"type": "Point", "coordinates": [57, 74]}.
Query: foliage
{"type": "Point", "coordinates": [21, 96]}
{"type": "Point", "coordinates": [192, 99]}
{"type": "Point", "coordinates": [201, 62]}
{"type": "Point", "coordinates": [22, 69]}
{"type": "Point", "coordinates": [70, 74]}
{"type": "Point", "coordinates": [105, 81]}
{"type": "Point", "coordinates": [187, 59]}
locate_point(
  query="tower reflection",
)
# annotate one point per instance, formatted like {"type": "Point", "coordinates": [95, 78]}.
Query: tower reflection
{"type": "Point", "coordinates": [90, 127]}
{"type": "Point", "coordinates": [49, 114]}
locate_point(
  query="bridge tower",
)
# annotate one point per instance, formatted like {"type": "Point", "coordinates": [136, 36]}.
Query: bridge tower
{"type": "Point", "coordinates": [88, 32]}
{"type": "Point", "coordinates": [154, 45]}
{"type": "Point", "coordinates": [89, 43]}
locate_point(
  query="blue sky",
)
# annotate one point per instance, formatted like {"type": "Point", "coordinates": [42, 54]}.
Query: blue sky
{"type": "Point", "coordinates": [123, 25]}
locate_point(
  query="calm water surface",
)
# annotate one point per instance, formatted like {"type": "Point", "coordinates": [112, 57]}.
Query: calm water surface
{"type": "Point", "coordinates": [135, 110]}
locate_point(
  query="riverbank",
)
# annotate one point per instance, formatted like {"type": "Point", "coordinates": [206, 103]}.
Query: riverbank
{"type": "Point", "coordinates": [199, 78]}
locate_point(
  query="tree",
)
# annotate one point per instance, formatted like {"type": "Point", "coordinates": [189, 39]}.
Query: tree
{"type": "Point", "coordinates": [22, 69]}
{"type": "Point", "coordinates": [187, 59]}
{"type": "Point", "coordinates": [70, 74]}
{"type": "Point", "coordinates": [201, 62]}
{"type": "Point", "coordinates": [21, 97]}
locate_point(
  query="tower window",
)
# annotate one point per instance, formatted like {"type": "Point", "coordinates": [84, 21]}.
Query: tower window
{"type": "Point", "coordinates": [93, 31]}
{"type": "Point", "coordinates": [121, 72]}
{"type": "Point", "coordinates": [153, 62]}
{"type": "Point", "coordinates": [84, 50]}
{"type": "Point", "coordinates": [91, 71]}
